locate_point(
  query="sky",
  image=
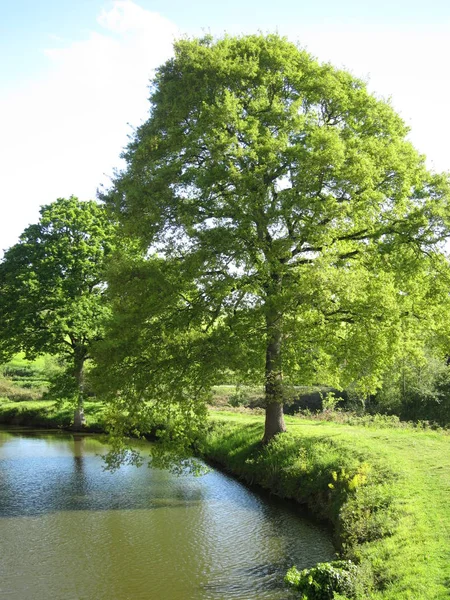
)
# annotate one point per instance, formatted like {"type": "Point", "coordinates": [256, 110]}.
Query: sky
{"type": "Point", "coordinates": [74, 78]}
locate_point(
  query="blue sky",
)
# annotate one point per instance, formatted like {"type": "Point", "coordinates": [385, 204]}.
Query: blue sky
{"type": "Point", "coordinates": [75, 72]}
{"type": "Point", "coordinates": [28, 26]}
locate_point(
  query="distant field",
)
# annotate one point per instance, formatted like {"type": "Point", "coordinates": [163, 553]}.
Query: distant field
{"type": "Point", "coordinates": [21, 379]}
{"type": "Point", "coordinates": [47, 413]}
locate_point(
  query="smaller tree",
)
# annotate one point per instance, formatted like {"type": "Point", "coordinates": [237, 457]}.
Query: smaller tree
{"type": "Point", "coordinates": [52, 298]}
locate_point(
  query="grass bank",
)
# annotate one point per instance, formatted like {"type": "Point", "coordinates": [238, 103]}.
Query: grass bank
{"type": "Point", "coordinates": [385, 490]}
{"type": "Point", "coordinates": [47, 413]}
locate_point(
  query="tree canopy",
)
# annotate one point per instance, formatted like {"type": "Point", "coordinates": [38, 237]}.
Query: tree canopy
{"type": "Point", "coordinates": [52, 287]}
{"type": "Point", "coordinates": [292, 232]}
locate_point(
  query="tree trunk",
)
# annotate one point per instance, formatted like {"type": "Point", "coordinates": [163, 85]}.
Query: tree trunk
{"type": "Point", "coordinates": [79, 420]}
{"type": "Point", "coordinates": [274, 423]}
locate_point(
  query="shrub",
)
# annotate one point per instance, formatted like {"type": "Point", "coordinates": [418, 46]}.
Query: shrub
{"type": "Point", "coordinates": [245, 395]}
{"type": "Point", "coordinates": [324, 580]}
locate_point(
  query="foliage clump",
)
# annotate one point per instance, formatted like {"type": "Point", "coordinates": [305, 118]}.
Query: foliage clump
{"type": "Point", "coordinates": [323, 581]}
{"type": "Point", "coordinates": [417, 390]}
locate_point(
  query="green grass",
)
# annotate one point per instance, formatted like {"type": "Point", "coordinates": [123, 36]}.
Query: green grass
{"type": "Point", "coordinates": [386, 490]}
{"type": "Point", "coordinates": [38, 365]}
{"type": "Point", "coordinates": [396, 523]}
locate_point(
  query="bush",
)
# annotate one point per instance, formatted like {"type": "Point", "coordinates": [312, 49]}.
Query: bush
{"type": "Point", "coordinates": [245, 395]}
{"type": "Point", "coordinates": [324, 580]}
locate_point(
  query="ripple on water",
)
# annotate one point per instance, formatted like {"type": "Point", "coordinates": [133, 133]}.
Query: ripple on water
{"type": "Point", "coordinates": [72, 530]}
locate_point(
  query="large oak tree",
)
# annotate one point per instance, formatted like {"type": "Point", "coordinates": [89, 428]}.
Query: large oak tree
{"type": "Point", "coordinates": [294, 229]}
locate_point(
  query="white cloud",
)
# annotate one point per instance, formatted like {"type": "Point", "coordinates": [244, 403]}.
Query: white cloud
{"type": "Point", "coordinates": [61, 134]}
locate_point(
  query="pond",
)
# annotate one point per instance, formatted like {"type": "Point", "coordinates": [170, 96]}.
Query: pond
{"type": "Point", "coordinates": [69, 530]}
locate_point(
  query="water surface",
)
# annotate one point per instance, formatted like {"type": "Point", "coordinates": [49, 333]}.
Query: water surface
{"type": "Point", "coordinates": [69, 530]}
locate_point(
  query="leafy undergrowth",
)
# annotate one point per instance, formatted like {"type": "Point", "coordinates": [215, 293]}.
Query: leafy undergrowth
{"type": "Point", "coordinates": [327, 581]}
{"type": "Point", "coordinates": [385, 491]}
{"type": "Point", "coordinates": [236, 395]}
{"type": "Point", "coordinates": [9, 390]}
{"type": "Point", "coordinates": [379, 421]}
